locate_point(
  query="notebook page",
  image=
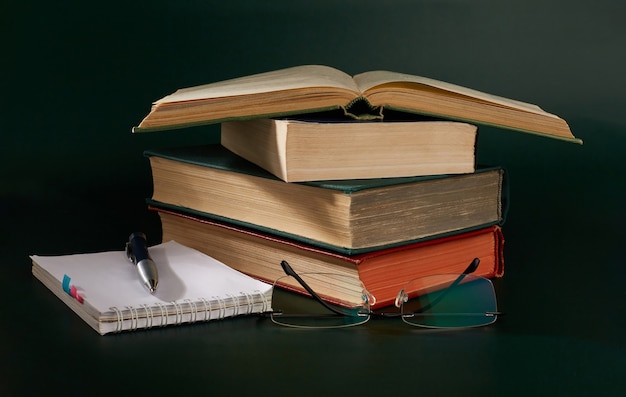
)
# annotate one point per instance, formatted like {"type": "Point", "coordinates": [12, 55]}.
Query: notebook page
{"type": "Point", "coordinates": [108, 279]}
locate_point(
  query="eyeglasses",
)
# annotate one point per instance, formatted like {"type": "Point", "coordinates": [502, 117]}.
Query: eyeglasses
{"type": "Point", "coordinates": [436, 301]}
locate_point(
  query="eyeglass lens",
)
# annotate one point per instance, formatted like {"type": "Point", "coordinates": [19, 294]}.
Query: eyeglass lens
{"type": "Point", "coordinates": [449, 301]}
{"type": "Point", "coordinates": [299, 310]}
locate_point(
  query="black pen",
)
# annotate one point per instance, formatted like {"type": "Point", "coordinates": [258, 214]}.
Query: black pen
{"type": "Point", "coordinates": [137, 252]}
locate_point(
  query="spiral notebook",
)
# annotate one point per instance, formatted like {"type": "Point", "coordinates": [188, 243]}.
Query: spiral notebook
{"type": "Point", "coordinates": [104, 289]}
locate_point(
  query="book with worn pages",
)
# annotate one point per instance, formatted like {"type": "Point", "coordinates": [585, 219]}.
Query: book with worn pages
{"type": "Point", "coordinates": [349, 216]}
{"type": "Point", "coordinates": [382, 272]}
{"type": "Point", "coordinates": [301, 150]}
{"type": "Point", "coordinates": [316, 88]}
{"type": "Point", "coordinates": [104, 289]}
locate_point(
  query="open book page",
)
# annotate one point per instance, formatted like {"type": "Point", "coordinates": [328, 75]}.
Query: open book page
{"type": "Point", "coordinates": [108, 279]}
{"type": "Point", "coordinates": [369, 80]}
{"type": "Point", "coordinates": [298, 77]}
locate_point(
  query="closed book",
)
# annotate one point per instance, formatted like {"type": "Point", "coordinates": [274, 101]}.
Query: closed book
{"type": "Point", "coordinates": [383, 272]}
{"type": "Point", "coordinates": [350, 216]}
{"type": "Point", "coordinates": [316, 149]}
{"type": "Point", "coordinates": [317, 88]}
{"type": "Point", "coordinates": [103, 288]}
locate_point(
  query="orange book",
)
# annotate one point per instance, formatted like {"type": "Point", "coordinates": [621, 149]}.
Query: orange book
{"type": "Point", "coordinates": [383, 272]}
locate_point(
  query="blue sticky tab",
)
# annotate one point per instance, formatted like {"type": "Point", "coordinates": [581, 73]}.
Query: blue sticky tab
{"type": "Point", "coordinates": [66, 284]}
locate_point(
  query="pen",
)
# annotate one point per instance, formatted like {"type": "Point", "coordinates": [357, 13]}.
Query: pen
{"type": "Point", "coordinates": [137, 252]}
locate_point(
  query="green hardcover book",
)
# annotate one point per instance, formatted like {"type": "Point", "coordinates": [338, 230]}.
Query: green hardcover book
{"type": "Point", "coordinates": [348, 216]}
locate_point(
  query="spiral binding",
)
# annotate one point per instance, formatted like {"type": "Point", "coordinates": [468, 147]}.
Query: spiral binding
{"type": "Point", "coordinates": [189, 311]}
{"type": "Point", "coordinates": [207, 309]}
{"type": "Point", "coordinates": [164, 315]}
{"type": "Point", "coordinates": [248, 300]}
{"type": "Point", "coordinates": [120, 319]}
{"type": "Point", "coordinates": [149, 315]}
{"type": "Point", "coordinates": [134, 317]}
{"type": "Point", "coordinates": [193, 309]}
{"type": "Point", "coordinates": [179, 312]}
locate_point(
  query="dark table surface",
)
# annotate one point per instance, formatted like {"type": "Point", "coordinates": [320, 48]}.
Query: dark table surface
{"type": "Point", "coordinates": [77, 76]}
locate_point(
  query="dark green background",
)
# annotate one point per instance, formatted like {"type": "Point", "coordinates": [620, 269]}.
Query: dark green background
{"type": "Point", "coordinates": [77, 75]}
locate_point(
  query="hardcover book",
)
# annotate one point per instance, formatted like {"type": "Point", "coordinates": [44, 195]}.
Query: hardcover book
{"type": "Point", "coordinates": [349, 216]}
{"type": "Point", "coordinates": [382, 272]}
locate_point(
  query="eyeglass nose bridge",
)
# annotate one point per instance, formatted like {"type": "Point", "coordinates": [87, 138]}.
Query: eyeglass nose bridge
{"type": "Point", "coordinates": [368, 298]}
{"type": "Point", "coordinates": [402, 297]}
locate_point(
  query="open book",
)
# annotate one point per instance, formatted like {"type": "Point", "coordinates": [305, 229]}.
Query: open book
{"type": "Point", "coordinates": [315, 88]}
{"type": "Point", "coordinates": [107, 295]}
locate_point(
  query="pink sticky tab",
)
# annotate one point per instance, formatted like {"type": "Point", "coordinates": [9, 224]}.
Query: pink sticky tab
{"type": "Point", "coordinates": [75, 294]}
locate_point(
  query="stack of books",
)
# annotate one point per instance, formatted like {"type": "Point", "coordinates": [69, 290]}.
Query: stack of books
{"type": "Point", "coordinates": [373, 177]}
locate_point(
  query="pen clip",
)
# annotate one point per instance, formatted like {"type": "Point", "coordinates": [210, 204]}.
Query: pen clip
{"type": "Point", "coordinates": [130, 254]}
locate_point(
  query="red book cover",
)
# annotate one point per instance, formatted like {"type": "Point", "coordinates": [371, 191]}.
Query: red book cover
{"type": "Point", "coordinates": [383, 272]}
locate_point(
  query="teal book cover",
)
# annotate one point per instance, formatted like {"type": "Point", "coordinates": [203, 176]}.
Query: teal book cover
{"type": "Point", "coordinates": [395, 211]}
{"type": "Point", "coordinates": [218, 157]}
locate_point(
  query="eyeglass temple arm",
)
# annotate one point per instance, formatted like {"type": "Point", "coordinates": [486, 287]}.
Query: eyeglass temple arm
{"type": "Point", "coordinates": [469, 270]}
{"type": "Point", "coordinates": [290, 272]}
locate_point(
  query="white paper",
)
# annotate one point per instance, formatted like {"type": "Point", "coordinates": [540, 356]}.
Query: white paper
{"type": "Point", "coordinates": [108, 279]}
